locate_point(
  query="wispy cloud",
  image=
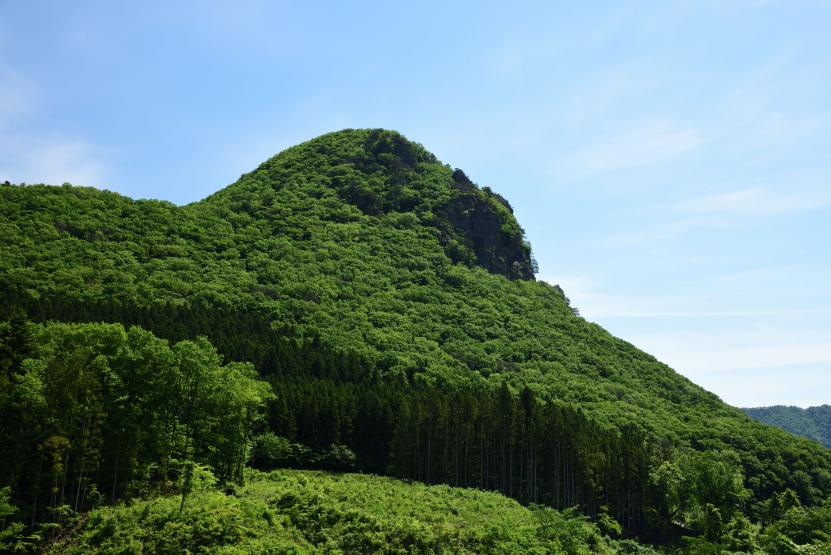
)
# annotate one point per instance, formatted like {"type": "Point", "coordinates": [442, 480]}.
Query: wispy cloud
{"type": "Point", "coordinates": [743, 358]}
{"type": "Point", "coordinates": [650, 143]}
{"type": "Point", "coordinates": [755, 117]}
{"type": "Point", "coordinates": [15, 96]}
{"type": "Point", "coordinates": [45, 156]}
{"type": "Point", "coordinates": [658, 231]}
{"type": "Point", "coordinates": [719, 210]}
{"type": "Point", "coordinates": [602, 95]}
{"type": "Point", "coordinates": [717, 352]}
{"type": "Point", "coordinates": [755, 201]}
{"type": "Point", "coordinates": [593, 298]}
{"type": "Point", "coordinates": [51, 161]}
{"type": "Point", "coordinates": [742, 352]}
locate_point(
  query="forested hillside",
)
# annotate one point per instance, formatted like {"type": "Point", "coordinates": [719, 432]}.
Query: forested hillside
{"type": "Point", "coordinates": [313, 512]}
{"type": "Point", "coordinates": [813, 422]}
{"type": "Point", "coordinates": [388, 308]}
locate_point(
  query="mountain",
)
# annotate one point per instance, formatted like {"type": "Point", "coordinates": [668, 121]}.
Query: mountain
{"type": "Point", "coordinates": [813, 422]}
{"type": "Point", "coordinates": [391, 305]}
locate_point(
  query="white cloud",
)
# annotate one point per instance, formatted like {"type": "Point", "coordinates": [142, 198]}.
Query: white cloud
{"type": "Point", "coordinates": [593, 298]}
{"type": "Point", "coordinates": [773, 108]}
{"type": "Point", "coordinates": [16, 95]}
{"type": "Point", "coordinates": [657, 232]}
{"type": "Point", "coordinates": [756, 201]}
{"type": "Point", "coordinates": [749, 368]}
{"type": "Point", "coordinates": [720, 210]}
{"type": "Point", "coordinates": [647, 144]}
{"type": "Point", "coordinates": [705, 352]}
{"type": "Point", "coordinates": [803, 386]}
{"type": "Point", "coordinates": [44, 157]}
{"type": "Point", "coordinates": [52, 161]}
{"type": "Point", "coordinates": [749, 357]}
{"type": "Point", "coordinates": [601, 96]}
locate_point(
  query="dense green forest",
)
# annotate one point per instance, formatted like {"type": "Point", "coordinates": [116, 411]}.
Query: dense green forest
{"type": "Point", "coordinates": [813, 422]}
{"type": "Point", "coordinates": [298, 512]}
{"type": "Point", "coordinates": [312, 512]}
{"type": "Point", "coordinates": [352, 304]}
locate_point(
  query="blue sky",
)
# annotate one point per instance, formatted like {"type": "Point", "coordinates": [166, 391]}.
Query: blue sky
{"type": "Point", "coordinates": [669, 161]}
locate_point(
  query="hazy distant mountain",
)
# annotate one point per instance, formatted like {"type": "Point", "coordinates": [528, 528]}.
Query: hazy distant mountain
{"type": "Point", "coordinates": [813, 422]}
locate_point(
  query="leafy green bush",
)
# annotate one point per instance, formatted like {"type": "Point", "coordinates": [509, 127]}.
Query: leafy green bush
{"type": "Point", "coordinates": [315, 512]}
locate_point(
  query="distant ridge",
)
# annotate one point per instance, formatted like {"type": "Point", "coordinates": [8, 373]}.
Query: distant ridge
{"type": "Point", "coordinates": [813, 422]}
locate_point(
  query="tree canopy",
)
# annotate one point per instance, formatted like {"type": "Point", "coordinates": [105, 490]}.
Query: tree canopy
{"type": "Point", "coordinates": [352, 303]}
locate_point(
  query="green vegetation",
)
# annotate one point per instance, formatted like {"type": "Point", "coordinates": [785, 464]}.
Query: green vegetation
{"type": "Point", "coordinates": [95, 414]}
{"type": "Point", "coordinates": [813, 422]}
{"type": "Point", "coordinates": [290, 511]}
{"type": "Point", "coordinates": [314, 512]}
{"type": "Point", "coordinates": [351, 305]}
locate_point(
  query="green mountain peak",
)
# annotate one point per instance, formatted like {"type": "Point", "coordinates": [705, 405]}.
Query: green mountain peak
{"type": "Point", "coordinates": [381, 173]}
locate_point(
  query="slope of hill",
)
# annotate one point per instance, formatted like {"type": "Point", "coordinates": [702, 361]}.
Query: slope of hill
{"type": "Point", "coordinates": [813, 422]}
{"type": "Point", "coordinates": [391, 305]}
{"type": "Point", "coordinates": [313, 512]}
